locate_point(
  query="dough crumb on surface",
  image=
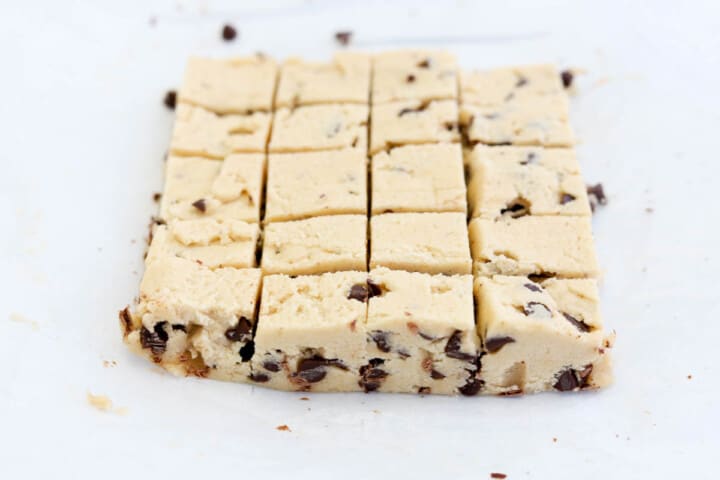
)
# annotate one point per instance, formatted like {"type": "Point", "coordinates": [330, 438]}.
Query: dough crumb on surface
{"type": "Point", "coordinates": [104, 404]}
{"type": "Point", "coordinates": [283, 428]}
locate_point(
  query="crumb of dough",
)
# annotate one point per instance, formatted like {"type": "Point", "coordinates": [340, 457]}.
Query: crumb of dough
{"type": "Point", "coordinates": [283, 428]}
{"type": "Point", "coordinates": [104, 404]}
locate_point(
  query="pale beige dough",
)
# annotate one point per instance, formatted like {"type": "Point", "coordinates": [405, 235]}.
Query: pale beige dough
{"type": "Point", "coordinates": [413, 122]}
{"type": "Point", "coordinates": [316, 245]}
{"type": "Point", "coordinates": [203, 133]}
{"type": "Point", "coordinates": [229, 189]}
{"type": "Point", "coordinates": [346, 79]}
{"type": "Point", "coordinates": [419, 178]}
{"type": "Point", "coordinates": [420, 242]}
{"type": "Point", "coordinates": [529, 245]}
{"type": "Point", "coordinates": [319, 127]}
{"type": "Point", "coordinates": [414, 75]}
{"type": "Point", "coordinates": [233, 85]}
{"type": "Point", "coordinates": [541, 336]}
{"type": "Point", "coordinates": [497, 86]}
{"type": "Point", "coordinates": [516, 181]}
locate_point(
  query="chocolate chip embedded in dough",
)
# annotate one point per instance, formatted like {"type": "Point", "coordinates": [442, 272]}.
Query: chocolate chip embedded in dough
{"type": "Point", "coordinates": [155, 340]}
{"type": "Point", "coordinates": [566, 198]}
{"type": "Point", "coordinates": [258, 377]}
{"type": "Point", "coordinates": [494, 344]}
{"type": "Point", "coordinates": [537, 309]}
{"type": "Point", "coordinates": [452, 348]}
{"type": "Point", "coordinates": [271, 366]}
{"type": "Point", "coordinates": [435, 375]}
{"type": "Point", "coordinates": [579, 324]}
{"type": "Point", "coordinates": [374, 289]}
{"type": "Point", "coordinates": [567, 77]}
{"type": "Point", "coordinates": [521, 82]}
{"type": "Point", "coordinates": [566, 381]}
{"type": "Point", "coordinates": [200, 205]}
{"type": "Point", "coordinates": [344, 38]}
{"type": "Point", "coordinates": [424, 390]}
{"type": "Point", "coordinates": [371, 377]}
{"type": "Point", "coordinates": [229, 33]}
{"type": "Point", "coordinates": [410, 78]}
{"type": "Point", "coordinates": [533, 287]}
{"type": "Point", "coordinates": [247, 351]}
{"type": "Point", "coordinates": [519, 207]}
{"type": "Point", "coordinates": [239, 331]}
{"type": "Point", "coordinates": [320, 362]}
{"type": "Point", "coordinates": [425, 63]}
{"type": "Point", "coordinates": [179, 327]}
{"type": "Point", "coordinates": [170, 99]}
{"type": "Point", "coordinates": [531, 158]}
{"type": "Point", "coordinates": [381, 340]}
{"type": "Point", "coordinates": [360, 292]}
{"type": "Point", "coordinates": [471, 387]}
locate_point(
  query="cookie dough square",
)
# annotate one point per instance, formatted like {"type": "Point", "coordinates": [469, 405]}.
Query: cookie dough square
{"type": "Point", "coordinates": [233, 85]}
{"type": "Point", "coordinates": [316, 245]}
{"type": "Point", "coordinates": [421, 333]}
{"type": "Point", "coordinates": [203, 133]}
{"type": "Point", "coordinates": [517, 181]}
{"type": "Point", "coordinates": [346, 79]}
{"type": "Point", "coordinates": [494, 87]}
{"type": "Point", "coordinates": [413, 122]}
{"type": "Point", "coordinates": [195, 320]}
{"type": "Point", "coordinates": [419, 178]}
{"type": "Point", "coordinates": [420, 242]}
{"type": "Point", "coordinates": [536, 120]}
{"type": "Point", "coordinates": [311, 332]}
{"type": "Point", "coordinates": [310, 184]}
{"type": "Point", "coordinates": [542, 246]}
{"type": "Point", "coordinates": [225, 190]}
{"type": "Point", "coordinates": [414, 75]}
{"type": "Point", "coordinates": [541, 336]}
{"type": "Point", "coordinates": [207, 241]}
{"type": "Point", "coordinates": [320, 127]}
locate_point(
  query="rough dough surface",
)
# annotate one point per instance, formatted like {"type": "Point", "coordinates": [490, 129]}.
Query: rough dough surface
{"type": "Point", "coordinates": [414, 75]}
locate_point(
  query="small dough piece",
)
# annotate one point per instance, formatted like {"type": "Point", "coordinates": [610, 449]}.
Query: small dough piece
{"type": "Point", "coordinates": [496, 86]}
{"type": "Point", "coordinates": [421, 333]}
{"type": "Point", "coordinates": [517, 181]}
{"type": "Point", "coordinates": [194, 320]}
{"type": "Point", "coordinates": [207, 241]}
{"type": "Point", "coordinates": [420, 242]}
{"type": "Point", "coordinates": [344, 80]}
{"type": "Point", "coordinates": [225, 190]}
{"type": "Point", "coordinates": [309, 184]}
{"type": "Point", "coordinates": [413, 122]}
{"type": "Point", "coordinates": [320, 127]}
{"type": "Point", "coordinates": [414, 75]}
{"type": "Point", "coordinates": [311, 333]}
{"type": "Point", "coordinates": [233, 85]}
{"type": "Point", "coordinates": [203, 133]}
{"type": "Point", "coordinates": [419, 178]}
{"type": "Point", "coordinates": [316, 245]}
{"type": "Point", "coordinates": [545, 246]}
{"type": "Point", "coordinates": [533, 120]}
{"type": "Point", "coordinates": [541, 336]}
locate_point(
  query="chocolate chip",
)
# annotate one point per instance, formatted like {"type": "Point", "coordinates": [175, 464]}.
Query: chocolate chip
{"type": "Point", "coordinates": [200, 205]}
{"type": "Point", "coordinates": [450, 126]}
{"type": "Point", "coordinates": [156, 340]}
{"type": "Point", "coordinates": [566, 381]}
{"type": "Point", "coordinates": [471, 387]}
{"type": "Point", "coordinates": [359, 292]}
{"type": "Point", "coordinates": [229, 33]}
{"type": "Point", "coordinates": [566, 198]}
{"type": "Point", "coordinates": [424, 105]}
{"type": "Point", "coordinates": [539, 277]}
{"type": "Point", "coordinates": [170, 99]}
{"type": "Point", "coordinates": [596, 195]}
{"type": "Point", "coordinates": [567, 78]}
{"type": "Point", "coordinates": [579, 324]}
{"type": "Point", "coordinates": [157, 196]}
{"type": "Point", "coordinates": [531, 157]}
{"type": "Point", "coordinates": [126, 320]}
{"type": "Point", "coordinates": [312, 376]}
{"type": "Point", "coordinates": [372, 377]}
{"type": "Point", "coordinates": [435, 375]}
{"type": "Point", "coordinates": [410, 78]}
{"type": "Point", "coordinates": [271, 366]}
{"type": "Point", "coordinates": [381, 340]}
{"type": "Point", "coordinates": [517, 208]}
{"type": "Point", "coordinates": [319, 362]}
{"type": "Point", "coordinates": [247, 351]}
{"type": "Point", "coordinates": [424, 390]}
{"type": "Point", "coordinates": [521, 82]}
{"type": "Point", "coordinates": [452, 348]}
{"type": "Point", "coordinates": [258, 377]}
{"type": "Point", "coordinates": [498, 475]}
{"type": "Point", "coordinates": [537, 309]}
{"type": "Point", "coordinates": [374, 289]}
{"type": "Point", "coordinates": [511, 393]}
{"type": "Point", "coordinates": [425, 63]}
{"type": "Point", "coordinates": [179, 327]}
{"type": "Point", "coordinates": [494, 344]}
{"type": "Point", "coordinates": [498, 144]}
{"type": "Point", "coordinates": [533, 287]}
{"type": "Point", "coordinates": [239, 331]}
{"type": "Point", "coordinates": [343, 38]}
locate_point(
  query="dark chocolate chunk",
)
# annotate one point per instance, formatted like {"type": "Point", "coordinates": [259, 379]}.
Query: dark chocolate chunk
{"type": "Point", "coordinates": [517, 208]}
{"type": "Point", "coordinates": [170, 99]}
{"type": "Point", "coordinates": [435, 375]}
{"type": "Point", "coordinates": [584, 375]}
{"type": "Point", "coordinates": [359, 292]}
{"type": "Point", "coordinates": [200, 205]}
{"type": "Point", "coordinates": [494, 344]}
{"type": "Point", "coordinates": [381, 340]}
{"type": "Point", "coordinates": [247, 351]}
{"type": "Point", "coordinates": [537, 309]}
{"type": "Point", "coordinates": [567, 78]}
{"type": "Point", "coordinates": [319, 362]}
{"type": "Point", "coordinates": [372, 377]}
{"type": "Point", "coordinates": [343, 38]}
{"type": "Point", "coordinates": [126, 320]}
{"type": "Point", "coordinates": [533, 287]}
{"type": "Point", "coordinates": [498, 475]}
{"type": "Point", "coordinates": [410, 78]}
{"type": "Point", "coordinates": [567, 380]}
{"type": "Point", "coordinates": [177, 326]}
{"type": "Point", "coordinates": [374, 289]}
{"type": "Point", "coordinates": [566, 198]}
{"type": "Point", "coordinates": [539, 277]}
{"type": "Point", "coordinates": [271, 366]}
{"type": "Point", "coordinates": [579, 324]}
{"type": "Point", "coordinates": [229, 33]}
{"type": "Point", "coordinates": [157, 196]}
{"type": "Point", "coordinates": [156, 340]}
{"type": "Point", "coordinates": [521, 82]}
{"type": "Point", "coordinates": [239, 331]}
{"type": "Point", "coordinates": [531, 158]}
{"type": "Point", "coordinates": [596, 195]}
{"type": "Point", "coordinates": [452, 348]}
{"type": "Point", "coordinates": [313, 375]}
{"type": "Point", "coordinates": [424, 390]}
{"type": "Point", "coordinates": [425, 63]}
{"type": "Point", "coordinates": [259, 377]}
{"type": "Point", "coordinates": [471, 387]}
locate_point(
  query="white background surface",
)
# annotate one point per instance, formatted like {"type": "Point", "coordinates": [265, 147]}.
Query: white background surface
{"type": "Point", "coordinates": [83, 133]}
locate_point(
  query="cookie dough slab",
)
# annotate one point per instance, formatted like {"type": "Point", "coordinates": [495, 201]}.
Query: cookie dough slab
{"type": "Point", "coordinates": [541, 336]}
{"type": "Point", "coordinates": [421, 333]}
{"type": "Point", "coordinates": [311, 333]}
{"type": "Point", "coordinates": [316, 245]}
{"type": "Point", "coordinates": [414, 74]}
{"type": "Point", "coordinates": [419, 178]}
{"type": "Point", "coordinates": [420, 242]}
{"type": "Point", "coordinates": [194, 320]}
{"type": "Point", "coordinates": [494, 87]}
{"type": "Point", "coordinates": [517, 181]}
{"type": "Point", "coordinates": [543, 246]}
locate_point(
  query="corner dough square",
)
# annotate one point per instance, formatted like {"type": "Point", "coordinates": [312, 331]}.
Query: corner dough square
{"type": "Point", "coordinates": [225, 190]}
{"type": "Point", "coordinates": [517, 181]}
{"type": "Point", "coordinates": [346, 79]}
{"type": "Point", "coordinates": [496, 86]}
{"type": "Point", "coordinates": [413, 122]}
{"type": "Point", "coordinates": [420, 242]}
{"type": "Point", "coordinates": [310, 184]}
{"type": "Point", "coordinates": [419, 178]}
{"type": "Point", "coordinates": [311, 333]}
{"type": "Point", "coordinates": [421, 333]}
{"type": "Point", "coordinates": [194, 320]}
{"type": "Point", "coordinates": [203, 133]}
{"type": "Point", "coordinates": [541, 336]}
{"type": "Point", "coordinates": [544, 246]}
{"type": "Point", "coordinates": [414, 75]}
{"type": "Point", "coordinates": [316, 245]}
{"type": "Point", "coordinates": [233, 85]}
{"type": "Point", "coordinates": [207, 241]}
{"type": "Point", "coordinates": [320, 127]}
